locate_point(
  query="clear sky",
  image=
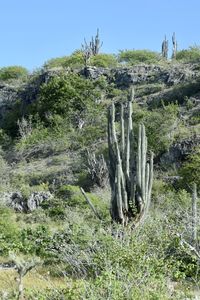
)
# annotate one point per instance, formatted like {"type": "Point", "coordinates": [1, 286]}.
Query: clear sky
{"type": "Point", "coordinates": [33, 31]}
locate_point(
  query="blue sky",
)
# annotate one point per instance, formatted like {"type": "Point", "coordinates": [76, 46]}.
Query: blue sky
{"type": "Point", "coordinates": [34, 31]}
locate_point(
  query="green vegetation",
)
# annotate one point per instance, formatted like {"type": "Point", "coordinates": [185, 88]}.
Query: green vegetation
{"type": "Point", "coordinates": [75, 60]}
{"type": "Point", "coordinates": [190, 170]}
{"type": "Point", "coordinates": [13, 72]}
{"type": "Point", "coordinates": [189, 55]}
{"type": "Point", "coordinates": [160, 123]}
{"type": "Point", "coordinates": [133, 57]}
{"type": "Point", "coordinates": [104, 60]}
{"type": "Point", "coordinates": [52, 138]}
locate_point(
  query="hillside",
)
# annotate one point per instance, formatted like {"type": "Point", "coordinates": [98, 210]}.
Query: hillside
{"type": "Point", "coordinates": [53, 134]}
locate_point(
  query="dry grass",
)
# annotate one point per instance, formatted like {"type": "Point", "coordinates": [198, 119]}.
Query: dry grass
{"type": "Point", "coordinates": [36, 280]}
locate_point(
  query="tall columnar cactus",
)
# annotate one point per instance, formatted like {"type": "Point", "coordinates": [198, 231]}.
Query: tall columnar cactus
{"type": "Point", "coordinates": [194, 214]}
{"type": "Point", "coordinates": [165, 48]}
{"type": "Point", "coordinates": [131, 174]}
{"type": "Point", "coordinates": [174, 42]}
{"type": "Point", "coordinates": [96, 44]}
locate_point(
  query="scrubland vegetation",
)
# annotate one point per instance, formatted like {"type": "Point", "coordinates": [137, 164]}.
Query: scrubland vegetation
{"type": "Point", "coordinates": [48, 138]}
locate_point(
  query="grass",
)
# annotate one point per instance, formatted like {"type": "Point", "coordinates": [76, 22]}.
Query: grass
{"type": "Point", "coordinates": [37, 279]}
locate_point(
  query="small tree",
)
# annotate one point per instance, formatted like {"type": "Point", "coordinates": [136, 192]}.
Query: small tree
{"type": "Point", "coordinates": [23, 266]}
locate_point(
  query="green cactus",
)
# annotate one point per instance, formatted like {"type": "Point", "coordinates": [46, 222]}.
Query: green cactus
{"type": "Point", "coordinates": [131, 176]}
{"type": "Point", "coordinates": [165, 48]}
{"type": "Point", "coordinates": [96, 44]}
{"type": "Point", "coordinates": [174, 42]}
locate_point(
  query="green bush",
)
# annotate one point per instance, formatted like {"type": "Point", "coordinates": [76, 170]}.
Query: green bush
{"type": "Point", "coordinates": [73, 197]}
{"type": "Point", "coordinates": [35, 240]}
{"type": "Point", "coordinates": [9, 231]}
{"type": "Point", "coordinates": [189, 55]}
{"type": "Point", "coordinates": [69, 96]}
{"type": "Point", "coordinates": [75, 60]}
{"type": "Point", "coordinates": [104, 60]}
{"type": "Point", "coordinates": [13, 72]}
{"type": "Point", "coordinates": [160, 125]}
{"type": "Point", "coordinates": [133, 57]}
{"type": "Point", "coordinates": [190, 171]}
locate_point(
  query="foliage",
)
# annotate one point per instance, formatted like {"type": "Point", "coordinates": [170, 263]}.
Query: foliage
{"type": "Point", "coordinates": [104, 60]}
{"type": "Point", "coordinates": [190, 170]}
{"type": "Point", "coordinates": [9, 231]}
{"type": "Point", "coordinates": [160, 125]}
{"type": "Point", "coordinates": [189, 55]}
{"type": "Point", "coordinates": [74, 97]}
{"type": "Point", "coordinates": [13, 72]}
{"type": "Point", "coordinates": [73, 197]}
{"type": "Point", "coordinates": [75, 60]}
{"type": "Point", "coordinates": [133, 57]}
{"type": "Point", "coordinates": [5, 139]}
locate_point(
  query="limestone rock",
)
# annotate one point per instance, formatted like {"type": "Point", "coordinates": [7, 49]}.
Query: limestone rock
{"type": "Point", "coordinates": [21, 204]}
{"type": "Point", "coordinates": [179, 151]}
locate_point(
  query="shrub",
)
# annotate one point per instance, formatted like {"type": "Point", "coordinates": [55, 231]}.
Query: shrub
{"type": "Point", "coordinates": [104, 60]}
{"type": "Point", "coordinates": [190, 170]}
{"type": "Point", "coordinates": [5, 140]}
{"type": "Point", "coordinates": [189, 55]}
{"type": "Point", "coordinates": [160, 126]}
{"type": "Point", "coordinates": [75, 60]}
{"type": "Point", "coordinates": [13, 72]}
{"type": "Point", "coordinates": [133, 57]}
{"type": "Point", "coordinates": [74, 198]}
{"type": "Point", "coordinates": [9, 231]}
{"type": "Point", "coordinates": [69, 96]}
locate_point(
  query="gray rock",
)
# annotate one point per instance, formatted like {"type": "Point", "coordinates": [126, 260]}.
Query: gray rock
{"type": "Point", "coordinates": [36, 199]}
{"type": "Point", "coordinates": [94, 72]}
{"type": "Point", "coordinates": [8, 97]}
{"type": "Point", "coordinates": [15, 200]}
{"type": "Point", "coordinates": [21, 204]}
{"type": "Point", "coordinates": [179, 151]}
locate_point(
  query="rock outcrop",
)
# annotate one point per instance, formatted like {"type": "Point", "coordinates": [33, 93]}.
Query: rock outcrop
{"type": "Point", "coordinates": [21, 204]}
{"type": "Point", "coordinates": [179, 151]}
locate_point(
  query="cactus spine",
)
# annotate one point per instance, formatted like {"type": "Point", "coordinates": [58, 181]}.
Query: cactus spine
{"type": "Point", "coordinates": [131, 176]}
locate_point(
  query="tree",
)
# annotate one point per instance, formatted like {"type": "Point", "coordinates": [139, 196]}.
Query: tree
{"type": "Point", "coordinates": [70, 96]}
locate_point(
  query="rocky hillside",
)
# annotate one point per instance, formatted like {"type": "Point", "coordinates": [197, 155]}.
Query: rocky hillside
{"type": "Point", "coordinates": [53, 135]}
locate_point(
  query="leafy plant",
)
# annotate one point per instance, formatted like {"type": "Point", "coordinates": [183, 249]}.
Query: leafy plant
{"type": "Point", "coordinates": [190, 171]}
{"type": "Point", "coordinates": [104, 60]}
{"type": "Point", "coordinates": [13, 72]}
{"type": "Point", "coordinates": [74, 97]}
{"type": "Point", "coordinates": [75, 60]}
{"type": "Point", "coordinates": [189, 55]}
{"type": "Point", "coordinates": [133, 57]}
